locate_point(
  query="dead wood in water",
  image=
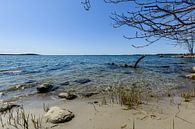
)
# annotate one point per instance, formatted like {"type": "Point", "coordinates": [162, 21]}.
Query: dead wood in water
{"type": "Point", "coordinates": [136, 63]}
{"type": "Point", "coordinates": [129, 66]}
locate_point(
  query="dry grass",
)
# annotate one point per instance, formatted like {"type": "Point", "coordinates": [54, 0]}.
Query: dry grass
{"type": "Point", "coordinates": [129, 97]}
{"type": "Point", "coordinates": [173, 123]}
{"type": "Point", "coordinates": [45, 107]}
{"type": "Point", "coordinates": [19, 119]}
{"type": "Point", "coordinates": [186, 96]}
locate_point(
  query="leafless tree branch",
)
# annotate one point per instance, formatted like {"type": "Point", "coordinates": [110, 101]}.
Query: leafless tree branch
{"type": "Point", "coordinates": [157, 19]}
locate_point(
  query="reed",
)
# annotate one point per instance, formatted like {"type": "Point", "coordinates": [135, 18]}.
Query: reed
{"type": "Point", "coordinates": [45, 107]}
{"type": "Point", "coordinates": [130, 97]}
{"type": "Point", "coordinates": [19, 119]}
{"type": "Point", "coordinates": [186, 95]}
{"type": "Point", "coordinates": [173, 123]}
{"type": "Point", "coordinates": [133, 124]}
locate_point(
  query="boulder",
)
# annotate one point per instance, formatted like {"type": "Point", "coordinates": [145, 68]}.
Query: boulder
{"type": "Point", "coordinates": [65, 83]}
{"type": "Point", "coordinates": [126, 65]}
{"type": "Point", "coordinates": [57, 115]}
{"type": "Point", "coordinates": [177, 100]}
{"type": "Point", "coordinates": [193, 69]}
{"type": "Point", "coordinates": [45, 87]}
{"type": "Point", "coordinates": [67, 96]}
{"type": "Point", "coordinates": [2, 94]}
{"type": "Point", "coordinates": [83, 81]}
{"type": "Point", "coordinates": [191, 76]}
{"type": "Point", "coordinates": [111, 63]}
{"type": "Point", "coordinates": [88, 94]}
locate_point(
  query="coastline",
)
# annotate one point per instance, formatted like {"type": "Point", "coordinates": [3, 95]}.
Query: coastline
{"type": "Point", "coordinates": [94, 112]}
{"type": "Point", "coordinates": [106, 97]}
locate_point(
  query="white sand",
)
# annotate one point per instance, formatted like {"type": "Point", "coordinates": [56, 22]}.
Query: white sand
{"type": "Point", "coordinates": [154, 115]}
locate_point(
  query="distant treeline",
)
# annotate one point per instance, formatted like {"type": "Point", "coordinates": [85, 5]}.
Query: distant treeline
{"type": "Point", "coordinates": [21, 54]}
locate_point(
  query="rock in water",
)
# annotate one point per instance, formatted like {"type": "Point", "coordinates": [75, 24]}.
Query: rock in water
{"type": "Point", "coordinates": [83, 81]}
{"type": "Point", "coordinates": [2, 94]}
{"type": "Point", "coordinates": [65, 83]}
{"type": "Point", "coordinates": [57, 115]}
{"type": "Point", "coordinates": [191, 76]}
{"type": "Point", "coordinates": [68, 96]}
{"type": "Point", "coordinates": [193, 69]}
{"type": "Point", "coordinates": [45, 87]}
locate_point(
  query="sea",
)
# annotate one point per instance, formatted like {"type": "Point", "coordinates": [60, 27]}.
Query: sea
{"type": "Point", "coordinates": [101, 71]}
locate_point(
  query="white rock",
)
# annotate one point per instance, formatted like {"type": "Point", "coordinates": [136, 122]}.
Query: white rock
{"type": "Point", "coordinates": [193, 69]}
{"type": "Point", "coordinates": [68, 96]}
{"type": "Point", "coordinates": [63, 95]}
{"type": "Point", "coordinates": [177, 100]}
{"type": "Point", "coordinates": [2, 94]}
{"type": "Point", "coordinates": [58, 115]}
{"type": "Point", "coordinates": [191, 76]}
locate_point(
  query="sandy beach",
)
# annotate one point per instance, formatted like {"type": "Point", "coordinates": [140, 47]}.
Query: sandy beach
{"type": "Point", "coordinates": [93, 113]}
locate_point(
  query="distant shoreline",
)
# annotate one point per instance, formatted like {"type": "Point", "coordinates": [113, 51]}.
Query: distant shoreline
{"type": "Point", "coordinates": [20, 54]}
{"type": "Point", "coordinates": [161, 55]}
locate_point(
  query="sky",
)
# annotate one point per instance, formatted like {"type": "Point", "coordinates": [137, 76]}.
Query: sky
{"type": "Point", "coordinates": [63, 27]}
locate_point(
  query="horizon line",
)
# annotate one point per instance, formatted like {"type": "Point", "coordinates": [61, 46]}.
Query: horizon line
{"type": "Point", "coordinates": [88, 54]}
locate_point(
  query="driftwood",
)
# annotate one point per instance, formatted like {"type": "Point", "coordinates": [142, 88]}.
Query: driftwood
{"type": "Point", "coordinates": [136, 63]}
{"type": "Point", "coordinates": [129, 66]}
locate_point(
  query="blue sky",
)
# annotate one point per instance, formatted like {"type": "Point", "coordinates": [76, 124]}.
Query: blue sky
{"type": "Point", "coordinates": [64, 27]}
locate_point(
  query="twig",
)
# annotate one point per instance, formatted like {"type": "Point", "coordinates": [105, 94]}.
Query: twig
{"type": "Point", "coordinates": [93, 106]}
{"type": "Point", "coordinates": [176, 115]}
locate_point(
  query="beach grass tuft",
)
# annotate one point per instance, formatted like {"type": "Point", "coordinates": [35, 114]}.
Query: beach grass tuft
{"type": "Point", "coordinates": [20, 119]}
{"type": "Point", "coordinates": [130, 97]}
{"type": "Point", "coordinates": [187, 96]}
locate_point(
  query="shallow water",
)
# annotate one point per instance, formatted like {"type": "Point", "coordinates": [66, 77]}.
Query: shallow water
{"type": "Point", "coordinates": [155, 72]}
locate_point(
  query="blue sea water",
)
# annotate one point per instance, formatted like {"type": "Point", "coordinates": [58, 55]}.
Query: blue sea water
{"type": "Point", "coordinates": [154, 71]}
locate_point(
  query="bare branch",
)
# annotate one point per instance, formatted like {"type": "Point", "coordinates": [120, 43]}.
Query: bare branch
{"type": "Point", "coordinates": [157, 19]}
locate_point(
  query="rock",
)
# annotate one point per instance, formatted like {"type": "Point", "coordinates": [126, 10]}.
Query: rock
{"type": "Point", "coordinates": [45, 87]}
{"type": "Point", "coordinates": [20, 87]}
{"type": "Point", "coordinates": [83, 81]}
{"type": "Point", "coordinates": [127, 72]}
{"type": "Point", "coordinates": [2, 94]}
{"type": "Point", "coordinates": [8, 107]}
{"type": "Point", "coordinates": [65, 83]}
{"type": "Point", "coordinates": [193, 69]}
{"type": "Point", "coordinates": [166, 66]}
{"type": "Point", "coordinates": [68, 96]}
{"type": "Point", "coordinates": [89, 94]}
{"type": "Point", "coordinates": [177, 100]}
{"type": "Point", "coordinates": [95, 102]}
{"type": "Point", "coordinates": [112, 63]}
{"type": "Point", "coordinates": [126, 65]}
{"type": "Point", "coordinates": [57, 115]}
{"type": "Point", "coordinates": [30, 81]}
{"type": "Point", "coordinates": [191, 76]}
